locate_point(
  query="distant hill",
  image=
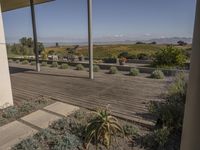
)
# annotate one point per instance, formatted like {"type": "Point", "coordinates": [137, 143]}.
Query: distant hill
{"type": "Point", "coordinates": [172, 40]}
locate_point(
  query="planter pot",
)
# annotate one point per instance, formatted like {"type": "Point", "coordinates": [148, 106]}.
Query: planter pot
{"type": "Point", "coordinates": [122, 63]}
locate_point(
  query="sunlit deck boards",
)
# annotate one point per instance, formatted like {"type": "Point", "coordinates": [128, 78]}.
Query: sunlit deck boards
{"type": "Point", "coordinates": [127, 96]}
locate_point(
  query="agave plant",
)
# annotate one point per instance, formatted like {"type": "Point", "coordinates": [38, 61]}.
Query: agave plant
{"type": "Point", "coordinates": [102, 128]}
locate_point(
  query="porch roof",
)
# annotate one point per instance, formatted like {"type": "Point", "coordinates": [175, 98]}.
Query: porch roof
{"type": "Point", "coordinates": [7, 5]}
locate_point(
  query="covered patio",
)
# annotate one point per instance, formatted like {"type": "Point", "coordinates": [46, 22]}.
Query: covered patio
{"type": "Point", "coordinates": [191, 135]}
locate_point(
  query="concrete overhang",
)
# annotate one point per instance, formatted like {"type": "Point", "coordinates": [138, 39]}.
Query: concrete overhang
{"type": "Point", "coordinates": [7, 5]}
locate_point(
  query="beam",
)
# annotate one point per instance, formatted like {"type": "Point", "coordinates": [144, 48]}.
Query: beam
{"type": "Point", "coordinates": [35, 36]}
{"type": "Point", "coordinates": [6, 98]}
{"type": "Point", "coordinates": [90, 40]}
{"type": "Point", "coordinates": [191, 126]}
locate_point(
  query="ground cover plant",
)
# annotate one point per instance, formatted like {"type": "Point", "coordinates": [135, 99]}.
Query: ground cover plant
{"type": "Point", "coordinates": [23, 108]}
{"type": "Point", "coordinates": [74, 131]}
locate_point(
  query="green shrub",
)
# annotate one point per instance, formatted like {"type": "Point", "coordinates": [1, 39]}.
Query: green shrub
{"type": "Point", "coordinates": [130, 130]}
{"type": "Point", "coordinates": [157, 74]}
{"type": "Point", "coordinates": [68, 142]}
{"type": "Point", "coordinates": [143, 56]}
{"type": "Point", "coordinates": [44, 63]}
{"type": "Point", "coordinates": [79, 115]}
{"type": "Point", "coordinates": [113, 70]}
{"type": "Point", "coordinates": [161, 136]}
{"type": "Point", "coordinates": [169, 57]}
{"type": "Point", "coordinates": [132, 56]}
{"type": "Point", "coordinates": [26, 107]}
{"type": "Point", "coordinates": [25, 62]}
{"type": "Point", "coordinates": [27, 144]}
{"type": "Point", "coordinates": [110, 60]}
{"type": "Point", "coordinates": [54, 65]}
{"type": "Point", "coordinates": [33, 63]}
{"type": "Point", "coordinates": [79, 67]}
{"type": "Point", "coordinates": [64, 66]}
{"type": "Point", "coordinates": [123, 54]}
{"type": "Point", "coordinates": [10, 112]}
{"type": "Point", "coordinates": [157, 140]}
{"type": "Point", "coordinates": [134, 72]}
{"type": "Point", "coordinates": [10, 60]}
{"type": "Point", "coordinates": [96, 68]}
{"type": "Point", "coordinates": [169, 114]}
{"type": "Point", "coordinates": [17, 61]}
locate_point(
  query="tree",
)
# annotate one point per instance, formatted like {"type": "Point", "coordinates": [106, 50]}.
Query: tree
{"type": "Point", "coordinates": [181, 43]}
{"type": "Point", "coordinates": [29, 42]}
{"type": "Point", "coordinates": [154, 43]}
{"type": "Point", "coordinates": [57, 44]}
{"type": "Point", "coordinates": [23, 41]}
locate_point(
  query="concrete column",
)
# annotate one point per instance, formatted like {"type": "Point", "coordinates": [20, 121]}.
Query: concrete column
{"type": "Point", "coordinates": [90, 40]}
{"type": "Point", "coordinates": [6, 98]}
{"type": "Point", "coordinates": [191, 126]}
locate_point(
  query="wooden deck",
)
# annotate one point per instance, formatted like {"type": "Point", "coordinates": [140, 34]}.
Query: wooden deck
{"type": "Point", "coordinates": [127, 96]}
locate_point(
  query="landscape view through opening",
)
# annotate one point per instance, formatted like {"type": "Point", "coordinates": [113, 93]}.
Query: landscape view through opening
{"type": "Point", "coordinates": [139, 53]}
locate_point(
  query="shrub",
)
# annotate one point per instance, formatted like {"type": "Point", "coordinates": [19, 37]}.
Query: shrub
{"type": "Point", "coordinates": [10, 112]}
{"type": "Point", "coordinates": [64, 66]}
{"type": "Point", "coordinates": [161, 136]}
{"type": "Point", "coordinates": [68, 142]}
{"type": "Point", "coordinates": [96, 68]}
{"type": "Point", "coordinates": [54, 65]}
{"type": "Point", "coordinates": [17, 61]}
{"type": "Point", "coordinates": [28, 144]}
{"type": "Point", "coordinates": [157, 74]}
{"type": "Point", "coordinates": [169, 114]}
{"type": "Point", "coordinates": [110, 60]}
{"type": "Point", "coordinates": [79, 67]}
{"type": "Point", "coordinates": [25, 62]}
{"type": "Point", "coordinates": [130, 130]}
{"type": "Point", "coordinates": [169, 57]}
{"type": "Point", "coordinates": [10, 60]}
{"type": "Point", "coordinates": [44, 63]}
{"type": "Point", "coordinates": [33, 63]}
{"type": "Point", "coordinates": [143, 56]}
{"type": "Point", "coordinates": [102, 128]}
{"type": "Point", "coordinates": [134, 72]}
{"type": "Point", "coordinates": [132, 56]}
{"type": "Point", "coordinates": [123, 54]}
{"type": "Point", "coordinates": [26, 107]}
{"type": "Point", "coordinates": [158, 139]}
{"type": "Point", "coordinates": [113, 70]}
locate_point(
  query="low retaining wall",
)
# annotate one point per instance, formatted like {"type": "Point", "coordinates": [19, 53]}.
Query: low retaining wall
{"type": "Point", "coordinates": [149, 70]}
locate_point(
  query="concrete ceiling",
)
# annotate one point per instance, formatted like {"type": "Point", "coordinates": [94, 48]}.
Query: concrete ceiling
{"type": "Point", "coordinates": [7, 5]}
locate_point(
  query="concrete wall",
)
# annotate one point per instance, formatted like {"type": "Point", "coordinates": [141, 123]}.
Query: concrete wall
{"type": "Point", "coordinates": [6, 98]}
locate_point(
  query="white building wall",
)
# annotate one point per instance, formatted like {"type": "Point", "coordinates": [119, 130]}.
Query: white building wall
{"type": "Point", "coordinates": [6, 98]}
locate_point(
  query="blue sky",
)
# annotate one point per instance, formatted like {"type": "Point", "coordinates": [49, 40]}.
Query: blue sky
{"type": "Point", "coordinates": [113, 20]}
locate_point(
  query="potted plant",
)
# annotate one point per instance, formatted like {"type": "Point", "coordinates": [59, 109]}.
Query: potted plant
{"type": "Point", "coordinates": [122, 61]}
